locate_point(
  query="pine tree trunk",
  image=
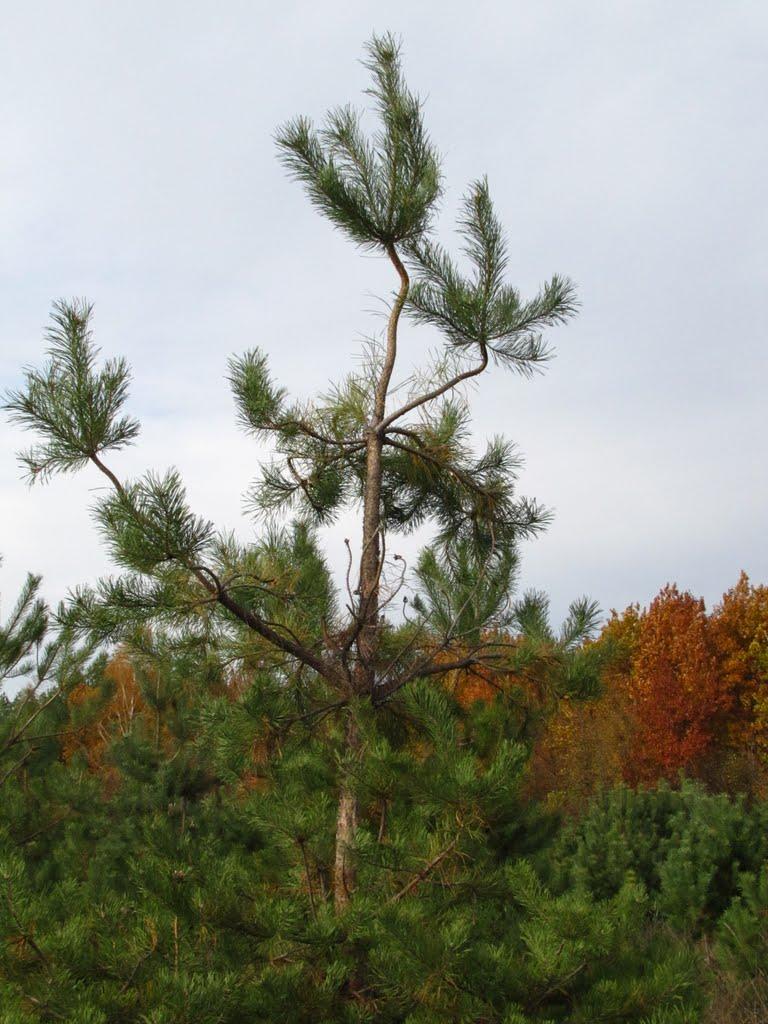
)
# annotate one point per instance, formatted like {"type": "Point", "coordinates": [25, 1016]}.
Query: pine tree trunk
{"type": "Point", "coordinates": [370, 570]}
{"type": "Point", "coordinates": [344, 873]}
{"type": "Point", "coordinates": [368, 608]}
{"type": "Point", "coordinates": [371, 556]}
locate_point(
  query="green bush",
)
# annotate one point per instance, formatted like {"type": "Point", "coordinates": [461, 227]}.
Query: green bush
{"type": "Point", "coordinates": [688, 848]}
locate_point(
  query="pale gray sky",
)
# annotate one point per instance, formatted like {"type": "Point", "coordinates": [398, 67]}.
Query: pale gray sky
{"type": "Point", "coordinates": [625, 144]}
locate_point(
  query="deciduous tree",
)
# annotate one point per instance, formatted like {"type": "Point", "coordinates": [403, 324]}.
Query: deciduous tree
{"type": "Point", "coordinates": [739, 626]}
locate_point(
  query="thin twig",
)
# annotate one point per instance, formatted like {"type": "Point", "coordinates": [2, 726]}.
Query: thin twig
{"type": "Point", "coordinates": [424, 872]}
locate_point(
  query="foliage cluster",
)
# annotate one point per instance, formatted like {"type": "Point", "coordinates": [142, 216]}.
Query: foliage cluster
{"type": "Point", "coordinates": [683, 691]}
{"type": "Point", "coordinates": [167, 853]}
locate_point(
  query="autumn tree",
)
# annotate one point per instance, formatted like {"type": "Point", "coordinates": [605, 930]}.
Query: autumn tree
{"type": "Point", "coordinates": [681, 690]}
{"type": "Point", "coordinates": [663, 706]}
{"type": "Point", "coordinates": [739, 627]}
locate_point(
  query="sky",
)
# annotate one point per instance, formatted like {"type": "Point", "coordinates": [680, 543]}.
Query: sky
{"type": "Point", "coordinates": [625, 146]}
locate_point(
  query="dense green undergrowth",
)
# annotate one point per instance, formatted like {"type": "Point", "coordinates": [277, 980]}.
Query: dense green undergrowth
{"type": "Point", "coordinates": [166, 844]}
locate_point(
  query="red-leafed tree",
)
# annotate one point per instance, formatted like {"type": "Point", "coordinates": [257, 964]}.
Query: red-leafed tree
{"type": "Point", "coordinates": [680, 697]}
{"type": "Point", "coordinates": [682, 691]}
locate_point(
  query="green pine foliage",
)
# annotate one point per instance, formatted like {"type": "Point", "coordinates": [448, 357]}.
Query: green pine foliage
{"type": "Point", "coordinates": [738, 956]}
{"type": "Point", "coordinates": [235, 791]}
{"type": "Point", "coordinates": [75, 405]}
{"type": "Point", "coordinates": [187, 878]}
{"type": "Point", "coordinates": [686, 846]}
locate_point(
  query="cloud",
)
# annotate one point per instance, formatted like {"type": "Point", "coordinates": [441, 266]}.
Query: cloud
{"type": "Point", "coordinates": [623, 145]}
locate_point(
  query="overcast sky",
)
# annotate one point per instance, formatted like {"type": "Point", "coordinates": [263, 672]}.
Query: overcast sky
{"type": "Point", "coordinates": [625, 144]}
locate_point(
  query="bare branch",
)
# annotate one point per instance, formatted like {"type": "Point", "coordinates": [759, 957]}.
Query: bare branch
{"type": "Point", "coordinates": [436, 392]}
{"type": "Point", "coordinates": [424, 872]}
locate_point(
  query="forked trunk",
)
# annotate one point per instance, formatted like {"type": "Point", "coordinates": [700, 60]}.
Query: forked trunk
{"type": "Point", "coordinates": [369, 605]}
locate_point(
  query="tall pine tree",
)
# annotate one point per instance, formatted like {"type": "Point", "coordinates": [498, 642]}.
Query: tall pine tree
{"type": "Point", "coordinates": [345, 833]}
{"type": "Point", "coordinates": [402, 456]}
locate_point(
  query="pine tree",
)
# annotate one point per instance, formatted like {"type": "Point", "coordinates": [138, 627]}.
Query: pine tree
{"type": "Point", "coordinates": [403, 456]}
{"type": "Point", "coordinates": [305, 823]}
{"type": "Point", "coordinates": [686, 846]}
{"type": "Point", "coordinates": [44, 659]}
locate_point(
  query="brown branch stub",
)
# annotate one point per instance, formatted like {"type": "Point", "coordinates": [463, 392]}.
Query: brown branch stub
{"type": "Point", "coordinates": [425, 871]}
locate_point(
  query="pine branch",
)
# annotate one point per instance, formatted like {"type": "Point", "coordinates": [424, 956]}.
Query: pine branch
{"type": "Point", "coordinates": [208, 579]}
{"type": "Point", "coordinates": [424, 872]}
{"type": "Point", "coordinates": [437, 392]}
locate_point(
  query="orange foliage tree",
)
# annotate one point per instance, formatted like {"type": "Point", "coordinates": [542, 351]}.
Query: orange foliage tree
{"type": "Point", "coordinates": [584, 746]}
{"type": "Point", "coordinates": [740, 633]}
{"type": "Point", "coordinates": [683, 691]}
{"type": "Point", "coordinates": [740, 628]}
{"type": "Point", "coordinates": [680, 698]}
{"type": "Point", "coordinates": [101, 713]}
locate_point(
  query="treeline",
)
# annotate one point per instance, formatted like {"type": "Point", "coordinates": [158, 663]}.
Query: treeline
{"type": "Point", "coordinates": [167, 837]}
{"type": "Point", "coordinates": [686, 692]}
